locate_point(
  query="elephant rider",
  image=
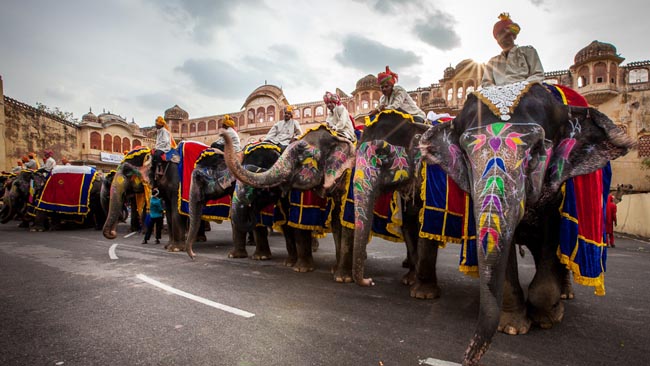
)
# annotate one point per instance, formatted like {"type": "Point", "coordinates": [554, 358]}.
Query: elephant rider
{"type": "Point", "coordinates": [338, 118]}
{"type": "Point", "coordinates": [18, 167]}
{"type": "Point", "coordinates": [31, 162]}
{"type": "Point", "coordinates": [396, 97]}
{"type": "Point", "coordinates": [284, 132]}
{"type": "Point", "coordinates": [514, 63]}
{"type": "Point", "coordinates": [49, 162]}
{"type": "Point", "coordinates": [228, 126]}
{"type": "Point", "coordinates": [164, 143]}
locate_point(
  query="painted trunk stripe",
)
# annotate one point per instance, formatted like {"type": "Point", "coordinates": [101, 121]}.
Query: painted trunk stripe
{"type": "Point", "coordinates": [186, 295]}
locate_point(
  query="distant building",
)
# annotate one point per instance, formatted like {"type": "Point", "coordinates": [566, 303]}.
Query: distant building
{"type": "Point", "coordinates": [619, 91]}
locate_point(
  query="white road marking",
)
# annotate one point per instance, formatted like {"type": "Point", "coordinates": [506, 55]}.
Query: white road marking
{"type": "Point", "coordinates": [130, 234]}
{"type": "Point", "coordinates": [111, 252]}
{"type": "Point", "coordinates": [184, 294]}
{"type": "Point", "coordinates": [435, 362]}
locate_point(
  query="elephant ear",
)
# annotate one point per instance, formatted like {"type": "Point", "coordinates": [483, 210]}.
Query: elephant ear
{"type": "Point", "coordinates": [440, 145]}
{"type": "Point", "coordinates": [337, 162]}
{"type": "Point", "coordinates": [585, 142]}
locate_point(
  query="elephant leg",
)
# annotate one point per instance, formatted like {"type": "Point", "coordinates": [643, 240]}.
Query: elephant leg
{"type": "Point", "coordinates": [314, 244]}
{"type": "Point", "coordinates": [292, 252]}
{"type": "Point", "coordinates": [513, 319]}
{"type": "Point", "coordinates": [567, 286]}
{"type": "Point", "coordinates": [545, 307]}
{"type": "Point", "coordinates": [250, 238]}
{"type": "Point", "coordinates": [239, 242]}
{"type": "Point", "coordinates": [305, 261]}
{"type": "Point", "coordinates": [40, 220]}
{"type": "Point", "coordinates": [262, 249]}
{"type": "Point", "coordinates": [200, 236]}
{"type": "Point", "coordinates": [343, 238]}
{"type": "Point", "coordinates": [410, 231]}
{"type": "Point", "coordinates": [426, 282]}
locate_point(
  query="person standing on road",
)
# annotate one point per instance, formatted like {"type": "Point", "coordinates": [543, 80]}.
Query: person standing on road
{"type": "Point", "coordinates": [610, 221]}
{"type": "Point", "coordinates": [156, 217]}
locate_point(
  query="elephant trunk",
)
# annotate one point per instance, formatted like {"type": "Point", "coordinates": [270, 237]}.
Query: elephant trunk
{"type": "Point", "coordinates": [116, 200]}
{"type": "Point", "coordinates": [366, 186]}
{"type": "Point", "coordinates": [273, 177]}
{"type": "Point", "coordinates": [196, 209]}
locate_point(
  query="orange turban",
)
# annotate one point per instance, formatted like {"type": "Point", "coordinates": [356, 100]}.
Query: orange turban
{"type": "Point", "coordinates": [228, 121]}
{"type": "Point", "coordinates": [505, 23]}
{"type": "Point", "coordinates": [288, 109]}
{"type": "Point", "coordinates": [387, 77]}
{"type": "Point", "coordinates": [160, 122]}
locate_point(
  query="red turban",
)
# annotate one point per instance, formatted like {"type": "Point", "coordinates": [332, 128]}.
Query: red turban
{"type": "Point", "coordinates": [505, 23]}
{"type": "Point", "coordinates": [387, 77]}
{"type": "Point", "coordinates": [329, 97]}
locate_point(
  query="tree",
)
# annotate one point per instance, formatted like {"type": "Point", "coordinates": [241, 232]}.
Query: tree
{"type": "Point", "coordinates": [67, 116]}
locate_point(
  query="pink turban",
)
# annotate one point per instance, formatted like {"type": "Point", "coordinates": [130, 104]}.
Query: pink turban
{"type": "Point", "coordinates": [329, 97]}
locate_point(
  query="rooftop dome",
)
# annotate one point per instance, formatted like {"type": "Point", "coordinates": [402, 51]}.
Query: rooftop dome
{"type": "Point", "coordinates": [89, 117]}
{"type": "Point", "coordinates": [176, 112]}
{"type": "Point", "coordinates": [449, 73]}
{"type": "Point", "coordinates": [596, 50]}
{"type": "Point", "coordinates": [367, 82]}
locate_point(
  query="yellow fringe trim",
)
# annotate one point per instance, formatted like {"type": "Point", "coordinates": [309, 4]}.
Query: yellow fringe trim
{"type": "Point", "coordinates": [137, 152]}
{"type": "Point", "coordinates": [368, 123]}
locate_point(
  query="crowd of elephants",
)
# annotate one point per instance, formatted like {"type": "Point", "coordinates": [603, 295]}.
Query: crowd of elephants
{"type": "Point", "coordinates": [541, 145]}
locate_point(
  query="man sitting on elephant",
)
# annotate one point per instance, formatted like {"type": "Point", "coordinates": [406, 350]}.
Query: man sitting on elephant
{"type": "Point", "coordinates": [338, 118]}
{"type": "Point", "coordinates": [396, 97]}
{"type": "Point", "coordinates": [284, 132]}
{"type": "Point", "coordinates": [514, 63]}
{"type": "Point", "coordinates": [164, 143]}
{"type": "Point", "coordinates": [229, 127]}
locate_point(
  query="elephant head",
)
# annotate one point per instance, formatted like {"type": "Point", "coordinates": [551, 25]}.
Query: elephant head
{"type": "Point", "coordinates": [507, 164]}
{"type": "Point", "coordinates": [386, 158]}
{"type": "Point", "coordinates": [317, 160]}
{"type": "Point", "coordinates": [26, 183]}
{"type": "Point", "coordinates": [130, 176]}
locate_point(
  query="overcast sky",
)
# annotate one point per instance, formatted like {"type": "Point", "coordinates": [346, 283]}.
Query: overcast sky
{"type": "Point", "coordinates": [137, 58]}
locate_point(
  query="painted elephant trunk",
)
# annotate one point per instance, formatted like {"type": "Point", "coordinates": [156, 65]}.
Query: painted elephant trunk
{"type": "Point", "coordinates": [366, 181]}
{"type": "Point", "coordinates": [118, 188]}
{"type": "Point", "coordinates": [273, 177]}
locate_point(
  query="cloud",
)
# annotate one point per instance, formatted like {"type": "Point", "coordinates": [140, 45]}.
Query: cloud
{"type": "Point", "coordinates": [203, 17]}
{"type": "Point", "coordinates": [387, 6]}
{"type": "Point", "coordinates": [365, 54]}
{"type": "Point", "coordinates": [218, 78]}
{"type": "Point", "coordinates": [157, 101]}
{"type": "Point", "coordinates": [438, 32]}
{"type": "Point", "coordinates": [60, 94]}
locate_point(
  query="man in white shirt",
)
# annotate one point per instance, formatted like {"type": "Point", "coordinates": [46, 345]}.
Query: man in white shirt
{"type": "Point", "coordinates": [50, 163]}
{"type": "Point", "coordinates": [338, 117]}
{"type": "Point", "coordinates": [228, 126]}
{"type": "Point", "coordinates": [514, 63]}
{"type": "Point", "coordinates": [396, 97]}
{"type": "Point", "coordinates": [164, 143]}
{"type": "Point", "coordinates": [284, 132]}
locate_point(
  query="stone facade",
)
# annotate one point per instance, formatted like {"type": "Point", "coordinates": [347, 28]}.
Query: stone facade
{"type": "Point", "coordinates": [620, 91]}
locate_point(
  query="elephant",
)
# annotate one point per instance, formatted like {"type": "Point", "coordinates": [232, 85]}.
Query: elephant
{"type": "Point", "coordinates": [511, 148]}
{"type": "Point", "coordinates": [388, 159]}
{"type": "Point", "coordinates": [17, 202]}
{"type": "Point", "coordinates": [105, 198]}
{"type": "Point", "coordinates": [316, 161]}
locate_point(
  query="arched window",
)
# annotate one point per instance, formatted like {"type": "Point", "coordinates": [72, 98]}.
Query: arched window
{"type": "Point", "coordinates": [450, 94]}
{"type": "Point", "coordinates": [117, 144]}
{"type": "Point", "coordinates": [296, 113]}
{"type": "Point", "coordinates": [375, 103]}
{"type": "Point", "coordinates": [583, 77]}
{"type": "Point", "coordinates": [365, 104]}
{"type": "Point", "coordinates": [319, 111]}
{"type": "Point", "coordinates": [184, 129]}
{"type": "Point", "coordinates": [270, 113]}
{"type": "Point", "coordinates": [365, 100]}
{"type": "Point", "coordinates": [613, 70]}
{"type": "Point", "coordinates": [192, 128]}
{"type": "Point", "coordinates": [202, 126]}
{"type": "Point", "coordinates": [95, 141]}
{"type": "Point", "coordinates": [260, 115]}
{"type": "Point", "coordinates": [459, 93]}
{"type": "Point", "coordinates": [137, 143]}
{"type": "Point", "coordinates": [251, 116]}
{"type": "Point", "coordinates": [638, 76]}
{"type": "Point", "coordinates": [126, 144]}
{"type": "Point", "coordinates": [108, 143]}
{"type": "Point", "coordinates": [212, 125]}
{"type": "Point", "coordinates": [306, 112]}
{"type": "Point", "coordinates": [425, 98]}
{"type": "Point", "coordinates": [600, 73]}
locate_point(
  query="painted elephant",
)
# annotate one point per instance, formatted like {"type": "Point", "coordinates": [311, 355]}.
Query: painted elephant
{"type": "Point", "coordinates": [30, 183]}
{"type": "Point", "coordinates": [134, 171]}
{"type": "Point", "coordinates": [248, 203]}
{"type": "Point", "coordinates": [512, 149]}
{"type": "Point", "coordinates": [105, 198]}
{"type": "Point", "coordinates": [316, 161]}
{"type": "Point", "coordinates": [388, 159]}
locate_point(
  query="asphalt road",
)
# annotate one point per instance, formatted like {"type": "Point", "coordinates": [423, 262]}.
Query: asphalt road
{"type": "Point", "coordinates": [75, 298]}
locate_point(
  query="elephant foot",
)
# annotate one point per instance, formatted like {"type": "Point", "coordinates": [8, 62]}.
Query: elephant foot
{"type": "Point", "coordinates": [409, 278]}
{"type": "Point", "coordinates": [425, 290]}
{"type": "Point", "coordinates": [567, 290]}
{"type": "Point", "coordinates": [314, 245]}
{"type": "Point", "coordinates": [238, 253]}
{"type": "Point", "coordinates": [341, 275]}
{"type": "Point", "coordinates": [304, 266]}
{"type": "Point", "coordinates": [290, 261]}
{"type": "Point", "coordinates": [405, 263]}
{"type": "Point", "coordinates": [175, 248]}
{"type": "Point", "coordinates": [201, 238]}
{"type": "Point", "coordinates": [514, 323]}
{"type": "Point", "coordinates": [37, 229]}
{"type": "Point", "coordinates": [262, 256]}
{"type": "Point", "coordinates": [546, 318]}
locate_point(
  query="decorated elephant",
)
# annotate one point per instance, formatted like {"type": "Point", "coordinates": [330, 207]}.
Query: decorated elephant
{"type": "Point", "coordinates": [388, 159]}
{"type": "Point", "coordinates": [513, 148]}
{"type": "Point", "coordinates": [317, 161]}
{"type": "Point", "coordinates": [105, 199]}
{"type": "Point", "coordinates": [70, 194]}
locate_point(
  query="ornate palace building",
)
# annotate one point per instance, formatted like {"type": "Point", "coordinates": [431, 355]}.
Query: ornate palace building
{"type": "Point", "coordinates": [621, 91]}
